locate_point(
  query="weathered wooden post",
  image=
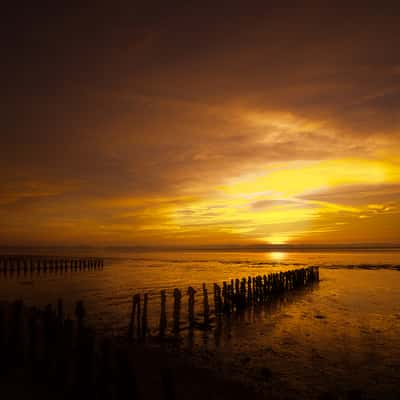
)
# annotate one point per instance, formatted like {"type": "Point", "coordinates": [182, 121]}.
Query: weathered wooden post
{"type": "Point", "coordinates": [135, 305]}
{"type": "Point", "coordinates": [191, 301]}
{"type": "Point", "coordinates": [177, 310]}
{"type": "Point", "coordinates": [33, 337]}
{"type": "Point", "coordinates": [265, 288]}
{"type": "Point", "coordinates": [242, 294]}
{"type": "Point", "coordinates": [225, 296]}
{"type": "Point", "coordinates": [206, 308]}
{"type": "Point", "coordinates": [217, 299]}
{"type": "Point", "coordinates": [16, 331]}
{"type": "Point", "coordinates": [163, 313]}
{"type": "Point", "coordinates": [144, 315]}
{"type": "Point", "coordinates": [249, 292]}
{"type": "Point", "coordinates": [60, 311]}
{"type": "Point", "coordinates": [80, 314]}
{"type": "Point", "coordinates": [3, 335]}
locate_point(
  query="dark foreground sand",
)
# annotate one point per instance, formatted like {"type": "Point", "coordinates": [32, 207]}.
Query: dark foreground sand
{"type": "Point", "coordinates": [163, 373]}
{"type": "Point", "coordinates": [158, 374]}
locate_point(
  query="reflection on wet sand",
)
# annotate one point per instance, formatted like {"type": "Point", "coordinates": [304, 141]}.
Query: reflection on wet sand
{"type": "Point", "coordinates": [224, 327]}
{"type": "Point", "coordinates": [340, 337]}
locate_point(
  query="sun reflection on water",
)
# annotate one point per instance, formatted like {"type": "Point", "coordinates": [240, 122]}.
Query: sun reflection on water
{"type": "Point", "coordinates": [277, 255]}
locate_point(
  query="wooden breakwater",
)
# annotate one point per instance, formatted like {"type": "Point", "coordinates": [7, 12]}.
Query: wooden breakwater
{"type": "Point", "coordinates": [18, 263]}
{"type": "Point", "coordinates": [233, 296]}
{"type": "Point", "coordinates": [45, 349]}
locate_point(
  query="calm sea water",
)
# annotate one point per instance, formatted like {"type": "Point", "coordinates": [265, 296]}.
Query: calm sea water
{"type": "Point", "coordinates": [342, 333]}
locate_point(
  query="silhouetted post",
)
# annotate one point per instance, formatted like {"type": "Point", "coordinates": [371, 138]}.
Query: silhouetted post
{"type": "Point", "coordinates": [217, 299]}
{"type": "Point", "coordinates": [144, 315]}
{"type": "Point", "coordinates": [48, 337]}
{"type": "Point", "coordinates": [191, 292]}
{"type": "Point", "coordinates": [225, 297]}
{"type": "Point", "coordinates": [249, 293]}
{"type": "Point", "coordinates": [242, 292]}
{"type": "Point", "coordinates": [237, 287]}
{"type": "Point", "coordinates": [60, 311]}
{"type": "Point", "coordinates": [206, 308]}
{"type": "Point", "coordinates": [80, 314]}
{"type": "Point", "coordinates": [32, 331]}
{"type": "Point", "coordinates": [265, 288]}
{"type": "Point", "coordinates": [15, 337]}
{"type": "Point", "coordinates": [3, 335]}
{"type": "Point", "coordinates": [177, 310]}
{"type": "Point", "coordinates": [163, 315]}
{"type": "Point", "coordinates": [134, 315]}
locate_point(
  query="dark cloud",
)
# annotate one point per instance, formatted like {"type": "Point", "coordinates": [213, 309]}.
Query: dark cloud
{"type": "Point", "coordinates": [358, 194]}
{"type": "Point", "coordinates": [265, 204]}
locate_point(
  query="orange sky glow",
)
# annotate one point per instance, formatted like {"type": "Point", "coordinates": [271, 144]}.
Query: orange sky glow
{"type": "Point", "coordinates": [222, 127]}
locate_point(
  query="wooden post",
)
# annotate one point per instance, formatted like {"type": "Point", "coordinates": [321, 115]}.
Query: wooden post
{"type": "Point", "coordinates": [135, 314]}
{"type": "Point", "coordinates": [217, 299]}
{"type": "Point", "coordinates": [249, 293]}
{"type": "Point", "coordinates": [80, 314]}
{"type": "Point", "coordinates": [163, 314]}
{"type": "Point", "coordinates": [3, 335]}
{"type": "Point", "coordinates": [243, 293]}
{"type": "Point", "coordinates": [191, 301]}
{"type": "Point", "coordinates": [144, 315]}
{"type": "Point", "coordinates": [60, 311]}
{"type": "Point", "coordinates": [33, 336]}
{"type": "Point", "coordinates": [225, 296]}
{"type": "Point", "coordinates": [177, 310]}
{"type": "Point", "coordinates": [206, 308]}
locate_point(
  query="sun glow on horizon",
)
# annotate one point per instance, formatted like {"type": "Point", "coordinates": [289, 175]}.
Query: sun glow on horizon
{"type": "Point", "coordinates": [257, 207]}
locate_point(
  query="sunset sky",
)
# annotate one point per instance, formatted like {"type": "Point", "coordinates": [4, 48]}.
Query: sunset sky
{"type": "Point", "coordinates": [221, 123]}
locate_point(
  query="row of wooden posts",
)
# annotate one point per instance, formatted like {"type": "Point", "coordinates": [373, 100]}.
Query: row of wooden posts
{"type": "Point", "coordinates": [10, 263]}
{"type": "Point", "coordinates": [231, 297]}
{"type": "Point", "coordinates": [66, 356]}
